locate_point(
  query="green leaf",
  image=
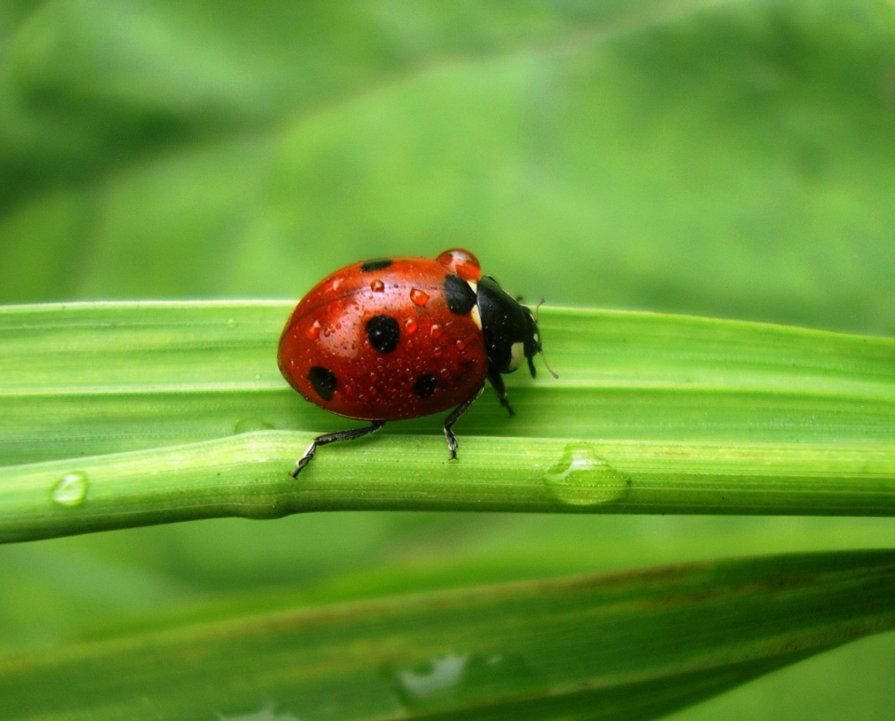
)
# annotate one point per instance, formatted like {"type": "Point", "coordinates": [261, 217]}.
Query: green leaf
{"type": "Point", "coordinates": [629, 646]}
{"type": "Point", "coordinates": [652, 413]}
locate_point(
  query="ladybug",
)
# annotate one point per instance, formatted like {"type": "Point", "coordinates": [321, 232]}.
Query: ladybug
{"type": "Point", "coordinates": [393, 338]}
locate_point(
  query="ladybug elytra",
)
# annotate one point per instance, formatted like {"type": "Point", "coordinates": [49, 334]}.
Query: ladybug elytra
{"type": "Point", "coordinates": [395, 338]}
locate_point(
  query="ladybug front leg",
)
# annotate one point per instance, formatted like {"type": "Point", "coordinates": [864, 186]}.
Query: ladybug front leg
{"type": "Point", "coordinates": [348, 435]}
{"type": "Point", "coordinates": [452, 418]}
{"type": "Point", "coordinates": [497, 382]}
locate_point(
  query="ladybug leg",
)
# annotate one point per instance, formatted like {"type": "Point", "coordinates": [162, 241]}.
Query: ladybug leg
{"type": "Point", "coordinates": [452, 418]}
{"type": "Point", "coordinates": [497, 382]}
{"type": "Point", "coordinates": [348, 435]}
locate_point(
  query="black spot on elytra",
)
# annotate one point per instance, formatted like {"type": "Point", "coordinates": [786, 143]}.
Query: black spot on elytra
{"type": "Point", "coordinates": [376, 264]}
{"type": "Point", "coordinates": [424, 386]}
{"type": "Point", "coordinates": [460, 297]}
{"type": "Point", "coordinates": [324, 381]}
{"type": "Point", "coordinates": [383, 333]}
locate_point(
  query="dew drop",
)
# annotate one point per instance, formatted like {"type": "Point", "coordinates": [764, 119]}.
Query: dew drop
{"type": "Point", "coordinates": [410, 326]}
{"type": "Point", "coordinates": [435, 331]}
{"type": "Point", "coordinates": [231, 323]}
{"type": "Point", "coordinates": [247, 425]}
{"type": "Point", "coordinates": [582, 478]}
{"type": "Point", "coordinates": [71, 490]}
{"type": "Point", "coordinates": [377, 286]}
{"type": "Point", "coordinates": [313, 331]}
{"type": "Point", "coordinates": [460, 678]}
{"type": "Point", "coordinates": [419, 297]}
{"type": "Point", "coordinates": [461, 262]}
{"type": "Point", "coordinates": [432, 680]}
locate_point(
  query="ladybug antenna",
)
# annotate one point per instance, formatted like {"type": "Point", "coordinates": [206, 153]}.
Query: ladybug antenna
{"type": "Point", "coordinates": [547, 365]}
{"type": "Point", "coordinates": [541, 350]}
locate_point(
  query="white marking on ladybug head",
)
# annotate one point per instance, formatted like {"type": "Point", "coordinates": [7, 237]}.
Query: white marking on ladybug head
{"type": "Point", "coordinates": [476, 316]}
{"type": "Point", "coordinates": [474, 313]}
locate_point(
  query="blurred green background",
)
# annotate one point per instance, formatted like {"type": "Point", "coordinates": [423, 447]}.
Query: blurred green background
{"type": "Point", "coordinates": [733, 159]}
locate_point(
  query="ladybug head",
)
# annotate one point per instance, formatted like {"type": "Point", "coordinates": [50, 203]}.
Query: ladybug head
{"type": "Point", "coordinates": [509, 328]}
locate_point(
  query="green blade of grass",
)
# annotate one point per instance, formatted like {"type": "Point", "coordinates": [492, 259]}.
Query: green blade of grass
{"type": "Point", "coordinates": [628, 646]}
{"type": "Point", "coordinates": [126, 414]}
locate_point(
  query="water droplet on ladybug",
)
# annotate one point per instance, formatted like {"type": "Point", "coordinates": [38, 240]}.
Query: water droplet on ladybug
{"type": "Point", "coordinates": [410, 326]}
{"type": "Point", "coordinates": [461, 262]}
{"type": "Point", "coordinates": [419, 297]}
{"type": "Point", "coordinates": [435, 331]}
{"type": "Point", "coordinates": [313, 331]}
{"type": "Point", "coordinates": [377, 286]}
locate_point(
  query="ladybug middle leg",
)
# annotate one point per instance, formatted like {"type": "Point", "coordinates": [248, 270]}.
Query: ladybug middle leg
{"type": "Point", "coordinates": [497, 383]}
{"type": "Point", "coordinates": [452, 418]}
{"type": "Point", "coordinates": [348, 435]}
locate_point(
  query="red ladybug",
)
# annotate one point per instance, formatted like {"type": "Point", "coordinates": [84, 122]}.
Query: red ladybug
{"type": "Point", "coordinates": [402, 337]}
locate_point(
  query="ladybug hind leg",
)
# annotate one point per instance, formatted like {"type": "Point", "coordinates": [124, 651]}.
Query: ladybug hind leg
{"type": "Point", "coordinates": [348, 435]}
{"type": "Point", "coordinates": [452, 418]}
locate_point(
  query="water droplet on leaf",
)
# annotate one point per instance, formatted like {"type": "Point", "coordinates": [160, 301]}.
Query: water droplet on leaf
{"type": "Point", "coordinates": [71, 490]}
{"type": "Point", "coordinates": [582, 478]}
{"type": "Point", "coordinates": [247, 425]}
